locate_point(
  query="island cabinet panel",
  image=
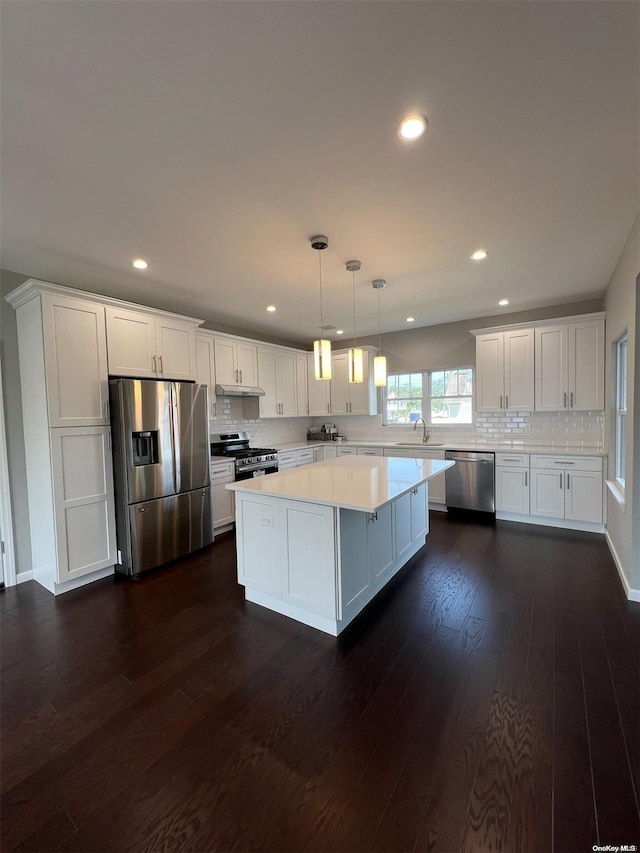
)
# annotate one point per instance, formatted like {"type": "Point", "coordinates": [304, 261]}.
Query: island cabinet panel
{"type": "Point", "coordinates": [355, 577]}
{"type": "Point", "coordinates": [419, 514]}
{"type": "Point", "coordinates": [308, 550]}
{"type": "Point", "coordinates": [402, 526]}
{"type": "Point", "coordinates": [382, 559]}
{"type": "Point", "coordinates": [259, 544]}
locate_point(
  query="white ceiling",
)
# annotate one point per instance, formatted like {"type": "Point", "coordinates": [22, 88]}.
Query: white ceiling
{"type": "Point", "coordinates": [214, 138]}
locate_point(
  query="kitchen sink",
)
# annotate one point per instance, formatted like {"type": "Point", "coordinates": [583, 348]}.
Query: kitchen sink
{"type": "Point", "coordinates": [417, 444]}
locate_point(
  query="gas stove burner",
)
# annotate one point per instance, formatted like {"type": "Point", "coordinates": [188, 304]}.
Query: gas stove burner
{"type": "Point", "coordinates": [249, 461]}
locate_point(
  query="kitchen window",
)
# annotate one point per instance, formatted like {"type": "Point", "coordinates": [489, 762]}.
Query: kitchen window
{"type": "Point", "coordinates": [441, 397]}
{"type": "Point", "coordinates": [622, 345]}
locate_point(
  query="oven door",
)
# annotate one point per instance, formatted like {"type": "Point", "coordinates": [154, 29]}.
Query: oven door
{"type": "Point", "coordinates": [258, 471]}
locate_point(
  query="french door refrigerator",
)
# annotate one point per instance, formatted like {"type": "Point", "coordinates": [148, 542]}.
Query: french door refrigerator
{"type": "Point", "coordinates": [161, 455]}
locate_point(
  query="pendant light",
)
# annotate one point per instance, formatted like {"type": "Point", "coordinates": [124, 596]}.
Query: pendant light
{"type": "Point", "coordinates": [355, 355]}
{"type": "Point", "coordinates": [321, 347]}
{"type": "Point", "coordinates": [380, 361]}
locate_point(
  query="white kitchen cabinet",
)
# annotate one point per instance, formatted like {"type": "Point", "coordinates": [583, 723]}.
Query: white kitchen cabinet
{"type": "Point", "coordinates": [302, 385]}
{"type": "Point", "coordinates": [329, 452]}
{"type": "Point", "coordinates": [410, 522]}
{"type": "Point", "coordinates": [570, 366]}
{"type": "Point", "coordinates": [305, 456]}
{"type": "Point", "coordinates": [318, 454]}
{"type": "Point", "coordinates": [206, 367]}
{"type": "Point", "coordinates": [319, 391]}
{"type": "Point", "coordinates": [147, 345]}
{"type": "Point", "coordinates": [63, 374]}
{"type": "Point", "coordinates": [567, 488]}
{"type": "Point", "coordinates": [287, 459]}
{"type": "Point", "coordinates": [370, 451]}
{"type": "Point", "coordinates": [83, 501]}
{"type": "Point", "coordinates": [236, 362]}
{"type": "Point", "coordinates": [74, 347]}
{"type": "Point", "coordinates": [346, 451]}
{"type": "Point", "coordinates": [277, 378]}
{"type": "Point", "coordinates": [358, 398]}
{"type": "Point", "coordinates": [505, 371]}
{"type": "Point", "coordinates": [512, 489]}
{"type": "Point", "coordinates": [380, 545]}
{"type": "Point", "coordinates": [223, 499]}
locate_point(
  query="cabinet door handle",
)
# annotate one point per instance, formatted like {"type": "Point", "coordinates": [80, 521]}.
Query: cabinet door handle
{"type": "Point", "coordinates": [161, 367]}
{"type": "Point", "coordinates": [564, 400]}
{"type": "Point", "coordinates": [155, 366]}
{"type": "Point", "coordinates": [106, 410]}
{"type": "Point", "coordinates": [571, 400]}
{"type": "Point", "coordinates": [500, 400]}
{"type": "Point", "coordinates": [327, 408]}
{"type": "Point", "coordinates": [526, 478]}
{"type": "Point", "coordinates": [568, 486]}
{"type": "Point", "coordinates": [506, 404]}
{"type": "Point", "coordinates": [561, 481]}
{"type": "Point", "coordinates": [240, 376]}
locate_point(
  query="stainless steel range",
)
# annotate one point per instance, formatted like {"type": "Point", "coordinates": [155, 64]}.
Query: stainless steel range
{"type": "Point", "coordinates": [250, 461]}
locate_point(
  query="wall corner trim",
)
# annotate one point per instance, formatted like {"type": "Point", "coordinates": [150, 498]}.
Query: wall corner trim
{"type": "Point", "coordinates": [631, 593]}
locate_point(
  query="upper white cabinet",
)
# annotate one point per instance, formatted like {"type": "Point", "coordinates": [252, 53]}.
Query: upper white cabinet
{"type": "Point", "coordinates": [358, 398]}
{"type": "Point", "coordinates": [206, 367]}
{"type": "Point", "coordinates": [570, 366]}
{"type": "Point", "coordinates": [277, 378]}
{"type": "Point", "coordinates": [302, 385]}
{"type": "Point", "coordinates": [236, 362]}
{"type": "Point", "coordinates": [147, 345]}
{"type": "Point", "coordinates": [319, 392]}
{"type": "Point", "coordinates": [505, 371]}
{"type": "Point", "coordinates": [74, 347]}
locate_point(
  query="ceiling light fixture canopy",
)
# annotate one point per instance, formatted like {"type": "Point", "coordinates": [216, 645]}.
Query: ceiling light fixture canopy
{"type": "Point", "coordinates": [355, 356]}
{"type": "Point", "coordinates": [412, 127]}
{"type": "Point", "coordinates": [380, 361]}
{"type": "Point", "coordinates": [322, 346]}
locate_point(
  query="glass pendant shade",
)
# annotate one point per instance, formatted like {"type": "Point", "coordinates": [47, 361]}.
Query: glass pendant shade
{"type": "Point", "coordinates": [380, 371]}
{"type": "Point", "coordinates": [322, 359]}
{"type": "Point", "coordinates": [356, 365]}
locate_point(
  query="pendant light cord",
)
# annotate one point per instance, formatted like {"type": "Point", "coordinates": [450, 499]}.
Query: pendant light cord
{"type": "Point", "coordinates": [353, 279]}
{"type": "Point", "coordinates": [379, 326]}
{"type": "Point", "coordinates": [320, 271]}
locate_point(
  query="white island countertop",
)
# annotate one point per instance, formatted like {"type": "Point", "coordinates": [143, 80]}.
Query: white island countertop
{"type": "Point", "coordinates": [364, 483]}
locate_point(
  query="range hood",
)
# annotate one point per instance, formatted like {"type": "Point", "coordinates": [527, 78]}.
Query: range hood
{"type": "Point", "coordinates": [239, 391]}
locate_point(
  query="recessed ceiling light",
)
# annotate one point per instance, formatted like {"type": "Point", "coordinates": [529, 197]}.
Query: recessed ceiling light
{"type": "Point", "coordinates": [339, 331]}
{"type": "Point", "coordinates": [479, 255]}
{"type": "Point", "coordinates": [503, 302]}
{"type": "Point", "coordinates": [411, 319]}
{"type": "Point", "coordinates": [140, 264]}
{"type": "Point", "coordinates": [271, 308]}
{"type": "Point", "coordinates": [412, 127]}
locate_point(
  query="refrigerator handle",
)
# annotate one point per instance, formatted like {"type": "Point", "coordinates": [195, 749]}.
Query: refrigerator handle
{"type": "Point", "coordinates": [175, 439]}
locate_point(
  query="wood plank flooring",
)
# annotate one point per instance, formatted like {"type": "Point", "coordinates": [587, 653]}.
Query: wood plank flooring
{"type": "Point", "coordinates": [487, 700]}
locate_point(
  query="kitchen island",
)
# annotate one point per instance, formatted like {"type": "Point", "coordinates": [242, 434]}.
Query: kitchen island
{"type": "Point", "coordinates": [317, 543]}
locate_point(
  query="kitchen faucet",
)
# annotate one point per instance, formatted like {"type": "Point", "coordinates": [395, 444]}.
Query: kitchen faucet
{"type": "Point", "coordinates": [425, 431]}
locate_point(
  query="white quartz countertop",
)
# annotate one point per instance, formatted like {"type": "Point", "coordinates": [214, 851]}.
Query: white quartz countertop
{"type": "Point", "coordinates": [496, 447]}
{"type": "Point", "coordinates": [363, 483]}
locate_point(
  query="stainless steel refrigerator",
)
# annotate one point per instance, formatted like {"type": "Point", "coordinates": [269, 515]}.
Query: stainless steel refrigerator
{"type": "Point", "coordinates": [161, 470]}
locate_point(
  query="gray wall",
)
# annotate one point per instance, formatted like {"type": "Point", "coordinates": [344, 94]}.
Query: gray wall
{"type": "Point", "coordinates": [623, 524]}
{"type": "Point", "coordinates": [13, 421]}
{"type": "Point", "coordinates": [452, 344]}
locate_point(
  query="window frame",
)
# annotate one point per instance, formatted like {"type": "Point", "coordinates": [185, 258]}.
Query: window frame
{"type": "Point", "coordinates": [427, 397]}
{"type": "Point", "coordinates": [620, 403]}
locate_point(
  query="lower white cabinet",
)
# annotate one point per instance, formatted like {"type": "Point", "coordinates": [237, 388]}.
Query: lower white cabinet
{"type": "Point", "coordinates": [305, 456]}
{"type": "Point", "coordinates": [346, 451]}
{"type": "Point", "coordinates": [287, 459]}
{"type": "Point", "coordinates": [370, 451]}
{"type": "Point", "coordinates": [223, 500]}
{"type": "Point", "coordinates": [512, 489]}
{"type": "Point", "coordinates": [329, 452]}
{"type": "Point", "coordinates": [567, 488]}
{"type": "Point", "coordinates": [83, 504]}
{"type": "Point", "coordinates": [411, 521]}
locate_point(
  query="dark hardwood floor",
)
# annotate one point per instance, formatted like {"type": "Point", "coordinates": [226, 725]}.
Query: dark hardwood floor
{"type": "Point", "coordinates": [488, 700]}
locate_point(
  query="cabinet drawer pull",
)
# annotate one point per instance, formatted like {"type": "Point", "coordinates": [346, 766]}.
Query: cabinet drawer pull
{"type": "Point", "coordinates": [510, 460]}
{"type": "Point", "coordinates": [564, 463]}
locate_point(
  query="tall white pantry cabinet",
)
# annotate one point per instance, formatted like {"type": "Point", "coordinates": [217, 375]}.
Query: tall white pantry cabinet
{"type": "Point", "coordinates": [64, 379]}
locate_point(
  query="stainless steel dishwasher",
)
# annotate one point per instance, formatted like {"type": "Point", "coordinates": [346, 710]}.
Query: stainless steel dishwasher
{"type": "Point", "coordinates": [471, 481]}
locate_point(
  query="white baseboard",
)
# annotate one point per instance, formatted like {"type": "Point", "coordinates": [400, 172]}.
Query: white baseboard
{"type": "Point", "coordinates": [631, 593]}
{"type": "Point", "coordinates": [21, 577]}
{"type": "Point", "coordinates": [563, 523]}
